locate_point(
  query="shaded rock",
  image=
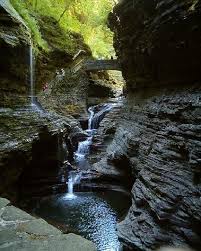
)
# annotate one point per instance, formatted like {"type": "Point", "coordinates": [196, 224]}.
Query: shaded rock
{"type": "Point", "coordinates": [33, 148]}
{"type": "Point", "coordinates": [14, 40]}
{"type": "Point", "coordinates": [21, 231]}
{"type": "Point", "coordinates": [158, 42]}
{"type": "Point", "coordinates": [66, 95]}
{"type": "Point", "coordinates": [104, 84]}
{"type": "Point", "coordinates": [163, 152]}
{"type": "Point", "coordinates": [3, 202]}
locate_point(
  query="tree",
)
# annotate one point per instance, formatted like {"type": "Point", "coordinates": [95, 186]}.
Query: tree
{"type": "Point", "coordinates": [36, 4]}
{"type": "Point", "coordinates": [68, 3]}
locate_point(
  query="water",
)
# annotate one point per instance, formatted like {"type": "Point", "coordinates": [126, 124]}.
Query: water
{"type": "Point", "coordinates": [91, 114]}
{"type": "Point", "coordinates": [98, 116]}
{"type": "Point", "coordinates": [93, 123]}
{"type": "Point", "coordinates": [92, 215]}
{"type": "Point", "coordinates": [31, 72]}
{"type": "Point", "coordinates": [84, 146]}
{"type": "Point", "coordinates": [35, 105]}
{"type": "Point", "coordinates": [73, 178]}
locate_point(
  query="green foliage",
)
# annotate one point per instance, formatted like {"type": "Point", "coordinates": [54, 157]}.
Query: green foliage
{"type": "Point", "coordinates": [31, 22]}
{"type": "Point", "coordinates": [86, 17]}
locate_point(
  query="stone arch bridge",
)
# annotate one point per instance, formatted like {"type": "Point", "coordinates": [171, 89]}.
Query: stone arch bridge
{"type": "Point", "coordinates": [97, 65]}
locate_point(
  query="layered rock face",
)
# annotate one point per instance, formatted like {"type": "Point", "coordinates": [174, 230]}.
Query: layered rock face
{"type": "Point", "coordinates": [33, 148]}
{"type": "Point", "coordinates": [159, 134]}
{"type": "Point", "coordinates": [158, 41]}
{"type": "Point", "coordinates": [21, 231]}
{"type": "Point", "coordinates": [14, 50]}
{"type": "Point", "coordinates": [33, 142]}
{"type": "Point", "coordinates": [159, 139]}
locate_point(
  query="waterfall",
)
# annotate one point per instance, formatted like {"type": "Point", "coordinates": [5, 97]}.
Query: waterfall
{"type": "Point", "coordinates": [93, 123]}
{"type": "Point", "coordinates": [83, 149]}
{"type": "Point", "coordinates": [98, 117]}
{"type": "Point", "coordinates": [73, 179]}
{"type": "Point", "coordinates": [84, 146]}
{"type": "Point", "coordinates": [31, 72]}
{"type": "Point", "coordinates": [34, 103]}
{"type": "Point", "coordinates": [70, 187]}
{"type": "Point", "coordinates": [91, 112]}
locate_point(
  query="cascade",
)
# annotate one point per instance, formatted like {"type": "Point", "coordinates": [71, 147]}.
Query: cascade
{"type": "Point", "coordinates": [31, 72]}
{"type": "Point", "coordinates": [91, 112]}
{"type": "Point", "coordinates": [97, 118]}
{"type": "Point", "coordinates": [73, 179]}
{"type": "Point", "coordinates": [84, 146]}
{"type": "Point", "coordinates": [34, 103]}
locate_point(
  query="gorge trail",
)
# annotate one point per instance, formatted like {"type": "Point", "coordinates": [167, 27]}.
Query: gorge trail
{"type": "Point", "coordinates": [106, 171]}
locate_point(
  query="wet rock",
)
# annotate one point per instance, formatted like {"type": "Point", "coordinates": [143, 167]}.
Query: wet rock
{"type": "Point", "coordinates": [15, 40]}
{"type": "Point", "coordinates": [34, 147]}
{"type": "Point", "coordinates": [108, 171]}
{"type": "Point", "coordinates": [3, 202]}
{"type": "Point", "coordinates": [163, 152]}
{"type": "Point", "coordinates": [158, 42]}
{"type": "Point", "coordinates": [21, 231]}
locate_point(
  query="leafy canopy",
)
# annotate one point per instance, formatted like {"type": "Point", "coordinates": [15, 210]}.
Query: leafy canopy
{"type": "Point", "coordinates": [87, 17]}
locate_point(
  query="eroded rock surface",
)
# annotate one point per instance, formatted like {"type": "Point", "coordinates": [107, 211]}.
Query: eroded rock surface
{"type": "Point", "coordinates": [14, 40]}
{"type": "Point", "coordinates": [159, 136]}
{"type": "Point", "coordinates": [103, 137]}
{"type": "Point", "coordinates": [21, 231]}
{"type": "Point", "coordinates": [33, 147]}
{"type": "Point", "coordinates": [157, 43]}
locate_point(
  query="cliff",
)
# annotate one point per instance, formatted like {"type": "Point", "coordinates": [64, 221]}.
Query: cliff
{"type": "Point", "coordinates": [158, 44]}
{"type": "Point", "coordinates": [14, 44]}
{"type": "Point", "coordinates": [157, 41]}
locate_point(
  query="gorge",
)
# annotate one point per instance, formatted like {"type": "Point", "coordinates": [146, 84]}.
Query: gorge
{"type": "Point", "coordinates": [115, 160]}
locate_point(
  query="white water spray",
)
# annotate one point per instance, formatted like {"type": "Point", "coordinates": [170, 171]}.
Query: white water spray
{"type": "Point", "coordinates": [91, 112]}
{"type": "Point", "coordinates": [84, 146]}
{"type": "Point", "coordinates": [72, 180]}
{"type": "Point", "coordinates": [31, 72]}
{"type": "Point", "coordinates": [34, 103]}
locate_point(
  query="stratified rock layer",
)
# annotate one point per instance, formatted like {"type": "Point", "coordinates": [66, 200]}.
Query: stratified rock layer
{"type": "Point", "coordinates": [21, 231]}
{"type": "Point", "coordinates": [158, 44]}
{"type": "Point", "coordinates": [159, 136]}
{"type": "Point", "coordinates": [14, 44]}
{"type": "Point", "coordinates": [33, 147]}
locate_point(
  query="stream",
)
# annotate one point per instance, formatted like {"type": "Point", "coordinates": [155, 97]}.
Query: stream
{"type": "Point", "coordinates": [93, 215]}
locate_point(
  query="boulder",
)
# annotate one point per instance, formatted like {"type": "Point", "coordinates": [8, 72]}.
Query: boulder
{"type": "Point", "coordinates": [21, 231]}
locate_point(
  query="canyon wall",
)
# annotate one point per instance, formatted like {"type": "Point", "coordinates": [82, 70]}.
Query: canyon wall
{"type": "Point", "coordinates": [14, 49]}
{"type": "Point", "coordinates": [158, 45]}
{"type": "Point", "coordinates": [32, 141]}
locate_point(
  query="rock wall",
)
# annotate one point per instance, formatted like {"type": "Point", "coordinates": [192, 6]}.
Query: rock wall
{"type": "Point", "coordinates": [158, 41]}
{"type": "Point", "coordinates": [14, 50]}
{"type": "Point", "coordinates": [21, 231]}
{"type": "Point", "coordinates": [158, 137]}
{"type": "Point", "coordinates": [33, 149]}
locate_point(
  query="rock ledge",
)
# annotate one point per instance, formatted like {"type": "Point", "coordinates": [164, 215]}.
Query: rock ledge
{"type": "Point", "coordinates": [21, 231]}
